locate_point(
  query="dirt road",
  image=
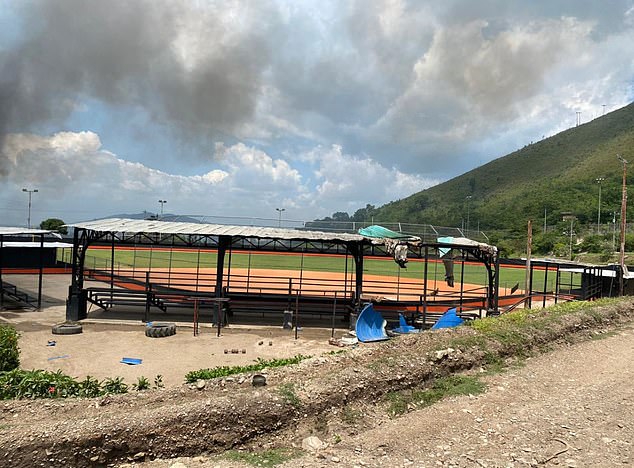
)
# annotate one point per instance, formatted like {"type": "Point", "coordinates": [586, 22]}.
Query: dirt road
{"type": "Point", "coordinates": [572, 407]}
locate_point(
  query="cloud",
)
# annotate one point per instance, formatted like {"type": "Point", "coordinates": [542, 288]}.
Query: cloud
{"type": "Point", "coordinates": [350, 182]}
{"type": "Point", "coordinates": [197, 70]}
{"type": "Point", "coordinates": [75, 175]}
{"type": "Point", "coordinates": [427, 90]}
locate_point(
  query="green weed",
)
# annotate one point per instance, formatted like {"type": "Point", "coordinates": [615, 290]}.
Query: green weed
{"type": "Point", "coordinates": [114, 385]}
{"type": "Point", "coordinates": [287, 391]}
{"type": "Point", "coordinates": [265, 459]}
{"type": "Point", "coordinates": [401, 402]}
{"type": "Point", "coordinates": [141, 384]}
{"type": "Point", "coordinates": [350, 415]}
{"type": "Point", "coordinates": [9, 351]}
{"type": "Point", "coordinates": [206, 374]}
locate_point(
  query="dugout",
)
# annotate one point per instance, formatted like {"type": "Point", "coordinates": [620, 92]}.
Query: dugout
{"type": "Point", "coordinates": [170, 289]}
{"type": "Point", "coordinates": [18, 254]}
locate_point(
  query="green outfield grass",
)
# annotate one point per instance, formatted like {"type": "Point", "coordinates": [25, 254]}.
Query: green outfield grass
{"type": "Point", "coordinates": [143, 258]}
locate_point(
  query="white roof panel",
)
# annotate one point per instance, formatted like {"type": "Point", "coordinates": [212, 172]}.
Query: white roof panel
{"type": "Point", "coordinates": [47, 245]}
{"type": "Point", "coordinates": [172, 227]}
{"type": "Point", "coordinates": [20, 231]}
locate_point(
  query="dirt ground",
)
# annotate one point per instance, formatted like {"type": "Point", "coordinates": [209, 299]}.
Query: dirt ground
{"type": "Point", "coordinates": [573, 407]}
{"type": "Point", "coordinates": [99, 349]}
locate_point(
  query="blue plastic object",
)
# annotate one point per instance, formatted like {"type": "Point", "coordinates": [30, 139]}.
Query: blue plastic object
{"type": "Point", "coordinates": [404, 327]}
{"type": "Point", "coordinates": [370, 325]}
{"type": "Point", "coordinates": [131, 361]}
{"type": "Point", "coordinates": [447, 320]}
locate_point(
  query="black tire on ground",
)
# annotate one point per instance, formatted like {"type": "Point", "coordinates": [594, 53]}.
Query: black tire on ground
{"type": "Point", "coordinates": [159, 331]}
{"type": "Point", "coordinates": [170, 325]}
{"type": "Point", "coordinates": [67, 329]}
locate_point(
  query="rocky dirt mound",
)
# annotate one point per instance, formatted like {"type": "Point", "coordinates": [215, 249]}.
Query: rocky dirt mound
{"type": "Point", "coordinates": [226, 413]}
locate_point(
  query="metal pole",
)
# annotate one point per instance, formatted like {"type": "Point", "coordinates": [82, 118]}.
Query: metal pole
{"type": "Point", "coordinates": [529, 248]}
{"type": "Point", "coordinates": [30, 192]}
{"type": "Point", "coordinates": [39, 282]}
{"type": "Point", "coordinates": [623, 212]}
{"type": "Point", "coordinates": [334, 311]}
{"type": "Point", "coordinates": [572, 220]}
{"type": "Point", "coordinates": [599, 180]}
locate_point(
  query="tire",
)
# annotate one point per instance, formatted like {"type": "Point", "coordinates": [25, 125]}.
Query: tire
{"type": "Point", "coordinates": [170, 325]}
{"type": "Point", "coordinates": [160, 330]}
{"type": "Point", "coordinates": [67, 329]}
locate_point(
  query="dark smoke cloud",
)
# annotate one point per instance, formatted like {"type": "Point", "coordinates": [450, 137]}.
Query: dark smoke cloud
{"type": "Point", "coordinates": [190, 68]}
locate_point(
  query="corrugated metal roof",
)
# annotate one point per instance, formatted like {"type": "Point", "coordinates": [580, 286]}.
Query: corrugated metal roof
{"type": "Point", "coordinates": [19, 231]}
{"type": "Point", "coordinates": [47, 245]}
{"type": "Point", "coordinates": [170, 227]}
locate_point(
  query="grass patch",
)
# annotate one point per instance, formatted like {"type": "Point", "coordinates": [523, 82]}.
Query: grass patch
{"type": "Point", "coordinates": [402, 402]}
{"type": "Point", "coordinates": [350, 415]}
{"type": "Point", "coordinates": [260, 364]}
{"type": "Point", "coordinates": [264, 459]}
{"type": "Point", "coordinates": [603, 335]}
{"type": "Point", "coordinates": [288, 393]}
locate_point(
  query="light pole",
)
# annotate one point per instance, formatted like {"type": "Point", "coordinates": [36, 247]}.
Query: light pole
{"type": "Point", "coordinates": [279, 219]}
{"type": "Point", "coordinates": [623, 210]}
{"type": "Point", "coordinates": [30, 192]}
{"type": "Point", "coordinates": [599, 180]}
{"type": "Point", "coordinates": [162, 202]}
{"type": "Point", "coordinates": [613, 231]}
{"type": "Point", "coordinates": [572, 220]}
{"type": "Point", "coordinates": [468, 198]}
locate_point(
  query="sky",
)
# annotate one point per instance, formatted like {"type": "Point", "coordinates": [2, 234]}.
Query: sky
{"type": "Point", "coordinates": [239, 109]}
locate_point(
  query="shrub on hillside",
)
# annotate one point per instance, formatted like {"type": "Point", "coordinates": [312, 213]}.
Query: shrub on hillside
{"type": "Point", "coordinates": [9, 351]}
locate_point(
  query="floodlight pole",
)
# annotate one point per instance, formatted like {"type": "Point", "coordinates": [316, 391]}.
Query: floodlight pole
{"type": "Point", "coordinates": [599, 180]}
{"type": "Point", "coordinates": [623, 221]}
{"type": "Point", "coordinates": [30, 192]}
{"type": "Point", "coordinates": [162, 202]}
{"type": "Point", "coordinates": [572, 220]}
{"type": "Point", "coordinates": [468, 198]}
{"type": "Point", "coordinates": [279, 219]}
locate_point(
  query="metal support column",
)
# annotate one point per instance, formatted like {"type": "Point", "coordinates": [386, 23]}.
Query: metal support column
{"type": "Point", "coordinates": [1, 285]}
{"type": "Point", "coordinates": [39, 283]}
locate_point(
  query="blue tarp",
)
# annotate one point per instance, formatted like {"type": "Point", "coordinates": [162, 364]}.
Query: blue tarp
{"type": "Point", "coordinates": [447, 320]}
{"type": "Point", "coordinates": [444, 240]}
{"type": "Point", "coordinates": [370, 325]}
{"type": "Point", "coordinates": [381, 232]}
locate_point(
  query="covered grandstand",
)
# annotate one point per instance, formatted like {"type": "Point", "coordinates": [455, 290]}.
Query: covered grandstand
{"type": "Point", "coordinates": [244, 290]}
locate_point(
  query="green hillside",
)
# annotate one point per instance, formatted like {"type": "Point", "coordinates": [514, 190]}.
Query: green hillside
{"type": "Point", "coordinates": [557, 174]}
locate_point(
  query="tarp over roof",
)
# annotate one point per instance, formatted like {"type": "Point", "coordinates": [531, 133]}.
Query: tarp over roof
{"type": "Point", "coordinates": [20, 231]}
{"type": "Point", "coordinates": [376, 231]}
{"type": "Point", "coordinates": [136, 226]}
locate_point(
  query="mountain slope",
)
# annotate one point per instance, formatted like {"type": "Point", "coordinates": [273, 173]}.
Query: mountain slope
{"type": "Point", "coordinates": [557, 174]}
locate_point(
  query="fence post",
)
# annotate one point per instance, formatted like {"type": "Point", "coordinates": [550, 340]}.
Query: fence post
{"type": "Point", "coordinates": [148, 292]}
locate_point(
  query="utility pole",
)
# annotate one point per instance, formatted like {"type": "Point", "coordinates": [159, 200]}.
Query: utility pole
{"type": "Point", "coordinates": [544, 220]}
{"type": "Point", "coordinates": [623, 211]}
{"type": "Point", "coordinates": [599, 180]}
